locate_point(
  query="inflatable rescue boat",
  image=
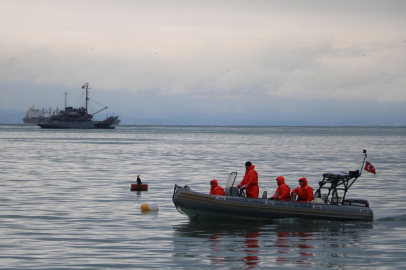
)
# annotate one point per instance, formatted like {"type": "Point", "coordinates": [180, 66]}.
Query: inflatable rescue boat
{"type": "Point", "coordinates": [330, 202]}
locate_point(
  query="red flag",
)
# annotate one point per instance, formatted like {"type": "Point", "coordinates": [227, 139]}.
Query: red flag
{"type": "Point", "coordinates": [83, 87]}
{"type": "Point", "coordinates": [369, 168]}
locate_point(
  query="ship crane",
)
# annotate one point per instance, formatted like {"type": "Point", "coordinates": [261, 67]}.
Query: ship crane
{"type": "Point", "coordinates": [99, 111]}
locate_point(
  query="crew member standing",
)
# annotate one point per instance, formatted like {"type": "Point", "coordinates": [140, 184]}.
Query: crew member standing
{"type": "Point", "coordinates": [283, 191]}
{"type": "Point", "coordinates": [250, 181]}
{"type": "Point", "coordinates": [304, 192]}
{"type": "Point", "coordinates": [216, 189]}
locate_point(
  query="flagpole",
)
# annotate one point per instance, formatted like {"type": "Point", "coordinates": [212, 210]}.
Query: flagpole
{"type": "Point", "coordinates": [365, 158]}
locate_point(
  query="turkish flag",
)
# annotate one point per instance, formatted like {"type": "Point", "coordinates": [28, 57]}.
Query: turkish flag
{"type": "Point", "coordinates": [83, 87]}
{"type": "Point", "coordinates": [369, 168]}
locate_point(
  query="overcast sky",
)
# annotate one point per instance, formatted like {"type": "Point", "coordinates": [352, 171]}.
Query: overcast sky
{"type": "Point", "coordinates": [218, 62]}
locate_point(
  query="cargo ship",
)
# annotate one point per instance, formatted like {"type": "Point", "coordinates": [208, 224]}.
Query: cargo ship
{"type": "Point", "coordinates": [33, 115]}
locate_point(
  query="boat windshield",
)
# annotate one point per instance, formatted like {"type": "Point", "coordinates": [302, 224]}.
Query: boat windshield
{"type": "Point", "coordinates": [230, 181]}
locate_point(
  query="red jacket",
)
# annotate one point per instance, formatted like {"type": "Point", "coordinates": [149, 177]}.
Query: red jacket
{"type": "Point", "coordinates": [216, 189]}
{"type": "Point", "coordinates": [250, 182]}
{"type": "Point", "coordinates": [283, 191]}
{"type": "Point", "coordinates": [305, 193]}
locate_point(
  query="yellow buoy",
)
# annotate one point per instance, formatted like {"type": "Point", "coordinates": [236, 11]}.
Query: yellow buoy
{"type": "Point", "coordinates": [144, 207]}
{"type": "Point", "coordinates": [149, 207]}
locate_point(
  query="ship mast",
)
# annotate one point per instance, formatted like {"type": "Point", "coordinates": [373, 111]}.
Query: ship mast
{"type": "Point", "coordinates": [87, 96]}
{"type": "Point", "coordinates": [66, 93]}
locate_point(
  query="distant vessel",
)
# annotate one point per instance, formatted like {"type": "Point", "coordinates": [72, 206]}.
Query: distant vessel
{"type": "Point", "coordinates": [77, 118]}
{"type": "Point", "coordinates": [34, 115]}
{"type": "Point", "coordinates": [116, 122]}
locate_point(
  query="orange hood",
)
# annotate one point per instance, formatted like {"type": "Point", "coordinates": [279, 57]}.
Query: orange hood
{"type": "Point", "coordinates": [215, 184]}
{"type": "Point", "coordinates": [280, 180]}
{"type": "Point", "coordinates": [304, 180]}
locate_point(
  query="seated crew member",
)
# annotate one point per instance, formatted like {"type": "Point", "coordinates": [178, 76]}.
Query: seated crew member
{"type": "Point", "coordinates": [283, 191]}
{"type": "Point", "coordinates": [216, 189]}
{"type": "Point", "coordinates": [304, 192]}
{"type": "Point", "coordinates": [250, 181]}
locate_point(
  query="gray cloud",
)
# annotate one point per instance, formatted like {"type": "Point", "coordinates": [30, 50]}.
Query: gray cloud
{"type": "Point", "coordinates": [208, 59]}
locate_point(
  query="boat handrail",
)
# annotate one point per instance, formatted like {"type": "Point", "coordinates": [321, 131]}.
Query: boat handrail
{"type": "Point", "coordinates": [338, 181]}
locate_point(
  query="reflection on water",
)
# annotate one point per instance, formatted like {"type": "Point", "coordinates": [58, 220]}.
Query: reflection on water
{"type": "Point", "coordinates": [252, 248]}
{"type": "Point", "coordinates": [250, 244]}
{"type": "Point", "coordinates": [284, 242]}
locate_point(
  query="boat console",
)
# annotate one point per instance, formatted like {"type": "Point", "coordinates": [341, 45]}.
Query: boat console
{"type": "Point", "coordinates": [230, 190]}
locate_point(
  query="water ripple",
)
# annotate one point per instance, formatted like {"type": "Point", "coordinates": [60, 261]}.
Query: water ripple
{"type": "Point", "coordinates": [66, 203]}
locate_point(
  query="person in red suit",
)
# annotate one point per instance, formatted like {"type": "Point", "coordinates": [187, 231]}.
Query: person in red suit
{"type": "Point", "coordinates": [283, 191]}
{"type": "Point", "coordinates": [216, 189]}
{"type": "Point", "coordinates": [250, 181]}
{"type": "Point", "coordinates": [303, 192]}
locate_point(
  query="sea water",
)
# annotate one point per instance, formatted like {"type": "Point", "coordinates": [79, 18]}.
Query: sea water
{"type": "Point", "coordinates": [65, 199]}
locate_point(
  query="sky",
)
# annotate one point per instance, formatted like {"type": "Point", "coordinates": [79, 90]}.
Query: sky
{"type": "Point", "coordinates": [209, 62]}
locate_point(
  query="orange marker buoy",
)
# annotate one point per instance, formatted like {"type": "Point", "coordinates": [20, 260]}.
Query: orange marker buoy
{"type": "Point", "coordinates": [139, 187]}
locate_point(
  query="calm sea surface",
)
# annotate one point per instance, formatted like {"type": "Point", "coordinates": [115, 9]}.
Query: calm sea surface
{"type": "Point", "coordinates": [65, 199]}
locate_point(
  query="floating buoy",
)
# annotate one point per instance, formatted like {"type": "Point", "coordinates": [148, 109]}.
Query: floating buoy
{"type": "Point", "coordinates": [149, 207]}
{"type": "Point", "coordinates": [139, 187]}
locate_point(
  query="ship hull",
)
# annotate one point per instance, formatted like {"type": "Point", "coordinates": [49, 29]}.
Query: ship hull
{"type": "Point", "coordinates": [199, 205]}
{"type": "Point", "coordinates": [75, 125]}
{"type": "Point", "coordinates": [34, 121]}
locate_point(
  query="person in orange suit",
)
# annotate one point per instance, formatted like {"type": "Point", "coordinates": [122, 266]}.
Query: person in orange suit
{"type": "Point", "coordinates": [216, 189]}
{"type": "Point", "coordinates": [283, 191]}
{"type": "Point", "coordinates": [303, 192]}
{"type": "Point", "coordinates": [250, 181]}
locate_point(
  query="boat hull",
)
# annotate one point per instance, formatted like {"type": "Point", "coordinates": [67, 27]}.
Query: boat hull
{"type": "Point", "coordinates": [200, 205]}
